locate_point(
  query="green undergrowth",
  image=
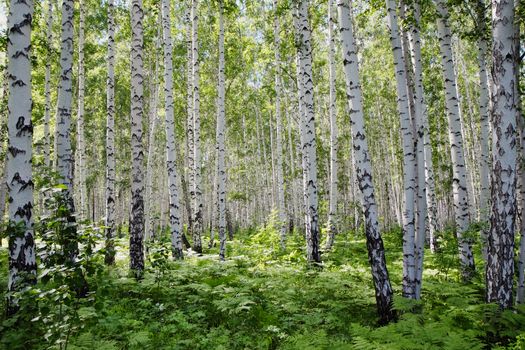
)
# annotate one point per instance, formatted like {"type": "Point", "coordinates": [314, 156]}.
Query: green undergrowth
{"type": "Point", "coordinates": [261, 298]}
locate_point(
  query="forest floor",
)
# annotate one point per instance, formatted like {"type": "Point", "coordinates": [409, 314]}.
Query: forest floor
{"type": "Point", "coordinates": [263, 298]}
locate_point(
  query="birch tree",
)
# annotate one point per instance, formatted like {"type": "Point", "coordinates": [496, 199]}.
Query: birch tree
{"type": "Point", "coordinates": [304, 50]}
{"type": "Point", "coordinates": [363, 167]}
{"type": "Point", "coordinates": [279, 126]}
{"type": "Point", "coordinates": [110, 139]}
{"type": "Point", "coordinates": [423, 125]}
{"type": "Point", "coordinates": [409, 161]}
{"type": "Point", "coordinates": [332, 112]}
{"type": "Point", "coordinates": [221, 134]}
{"type": "Point", "coordinates": [483, 115]}
{"type": "Point", "coordinates": [174, 206]}
{"type": "Point", "coordinates": [136, 224]}
{"type": "Point", "coordinates": [47, 83]}
{"type": "Point", "coordinates": [22, 257]}
{"type": "Point", "coordinates": [64, 153]}
{"type": "Point", "coordinates": [500, 242]}
{"type": "Point", "coordinates": [459, 183]}
{"type": "Point", "coordinates": [81, 146]}
{"type": "Point", "coordinates": [196, 186]}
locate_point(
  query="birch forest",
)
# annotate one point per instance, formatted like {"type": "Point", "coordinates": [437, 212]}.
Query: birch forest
{"type": "Point", "coordinates": [262, 174]}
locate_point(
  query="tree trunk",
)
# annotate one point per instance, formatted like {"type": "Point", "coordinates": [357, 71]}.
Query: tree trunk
{"type": "Point", "coordinates": [81, 147]}
{"type": "Point", "coordinates": [409, 161]}
{"type": "Point", "coordinates": [64, 153]}
{"type": "Point", "coordinates": [500, 242]}
{"type": "Point", "coordinates": [376, 251]}
{"type": "Point", "coordinates": [332, 112]}
{"type": "Point", "coordinates": [279, 126]}
{"type": "Point", "coordinates": [136, 232]}
{"type": "Point", "coordinates": [425, 218]}
{"type": "Point", "coordinates": [421, 110]}
{"type": "Point", "coordinates": [221, 133]}
{"type": "Point", "coordinates": [189, 164]}
{"type": "Point", "coordinates": [196, 188]}
{"type": "Point", "coordinates": [303, 34]}
{"type": "Point", "coordinates": [175, 215]}
{"type": "Point", "coordinates": [520, 293]}
{"type": "Point", "coordinates": [459, 183]}
{"type": "Point", "coordinates": [22, 258]}
{"type": "Point", "coordinates": [47, 83]}
{"type": "Point", "coordinates": [154, 120]}
{"type": "Point", "coordinates": [110, 140]}
{"type": "Point", "coordinates": [484, 117]}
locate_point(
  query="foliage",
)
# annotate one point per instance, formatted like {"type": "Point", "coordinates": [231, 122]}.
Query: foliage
{"type": "Point", "coordinates": [261, 298]}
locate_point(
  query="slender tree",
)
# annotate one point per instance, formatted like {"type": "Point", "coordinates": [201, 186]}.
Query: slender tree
{"type": "Point", "coordinates": [332, 112]}
{"type": "Point", "coordinates": [279, 126]}
{"type": "Point", "coordinates": [303, 33]}
{"type": "Point", "coordinates": [175, 215]}
{"type": "Point", "coordinates": [409, 160]}
{"type": "Point", "coordinates": [363, 167]}
{"type": "Point", "coordinates": [136, 232]}
{"type": "Point", "coordinates": [81, 145]}
{"type": "Point", "coordinates": [64, 153]}
{"type": "Point", "coordinates": [483, 115]}
{"type": "Point", "coordinates": [22, 259]}
{"type": "Point", "coordinates": [110, 139]}
{"type": "Point", "coordinates": [221, 134]}
{"type": "Point", "coordinates": [47, 83]}
{"type": "Point", "coordinates": [196, 186]}
{"type": "Point", "coordinates": [459, 183]}
{"type": "Point", "coordinates": [500, 242]}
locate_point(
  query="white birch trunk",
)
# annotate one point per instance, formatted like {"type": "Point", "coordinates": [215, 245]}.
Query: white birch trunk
{"type": "Point", "coordinates": [154, 120]}
{"type": "Point", "coordinates": [110, 139]}
{"type": "Point", "coordinates": [376, 252]}
{"type": "Point", "coordinates": [279, 126]}
{"type": "Point", "coordinates": [332, 112]}
{"type": "Point", "coordinates": [484, 122]}
{"type": "Point", "coordinates": [425, 177]}
{"type": "Point", "coordinates": [500, 242]}
{"type": "Point", "coordinates": [459, 183]}
{"type": "Point", "coordinates": [64, 153]}
{"type": "Point", "coordinates": [136, 232]}
{"type": "Point", "coordinates": [197, 194]}
{"type": "Point", "coordinates": [221, 135]}
{"type": "Point", "coordinates": [47, 83]}
{"type": "Point", "coordinates": [22, 257]}
{"type": "Point", "coordinates": [171, 148]}
{"type": "Point", "coordinates": [409, 161]}
{"type": "Point", "coordinates": [421, 110]}
{"type": "Point", "coordinates": [303, 33]}
{"type": "Point", "coordinates": [81, 155]}
{"type": "Point", "coordinates": [189, 163]}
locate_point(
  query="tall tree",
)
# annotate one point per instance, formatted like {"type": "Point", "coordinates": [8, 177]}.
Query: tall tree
{"type": "Point", "coordinates": [22, 258]}
{"type": "Point", "coordinates": [483, 115]}
{"type": "Point", "coordinates": [110, 139]}
{"type": "Point", "coordinates": [171, 148]}
{"type": "Point", "coordinates": [332, 112]}
{"type": "Point", "coordinates": [221, 134]}
{"type": "Point", "coordinates": [363, 166]}
{"type": "Point", "coordinates": [279, 125]}
{"type": "Point", "coordinates": [136, 232]}
{"type": "Point", "coordinates": [196, 186]}
{"type": "Point", "coordinates": [47, 83]}
{"type": "Point", "coordinates": [423, 125]}
{"type": "Point", "coordinates": [81, 146]}
{"type": "Point", "coordinates": [500, 242]}
{"type": "Point", "coordinates": [409, 160]}
{"type": "Point", "coordinates": [64, 153]}
{"type": "Point", "coordinates": [304, 50]}
{"type": "Point", "coordinates": [459, 183]}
